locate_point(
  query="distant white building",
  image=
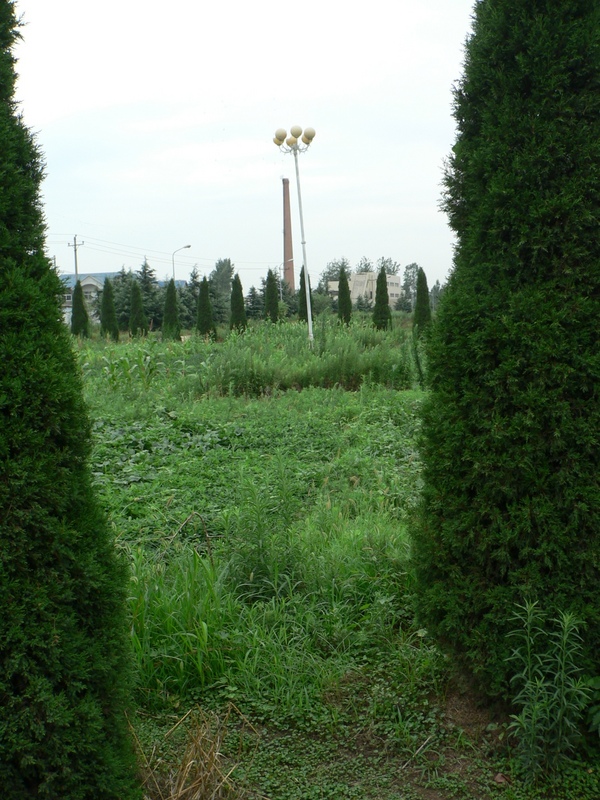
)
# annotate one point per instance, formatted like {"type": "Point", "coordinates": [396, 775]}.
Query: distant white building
{"type": "Point", "coordinates": [91, 284]}
{"type": "Point", "coordinates": [364, 284]}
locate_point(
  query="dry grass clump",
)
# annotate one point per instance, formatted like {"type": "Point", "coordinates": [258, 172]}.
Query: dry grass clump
{"type": "Point", "coordinates": [204, 772]}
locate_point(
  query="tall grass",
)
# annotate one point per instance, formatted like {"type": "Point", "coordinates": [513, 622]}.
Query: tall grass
{"type": "Point", "coordinates": [271, 612]}
{"type": "Point", "coordinates": [263, 359]}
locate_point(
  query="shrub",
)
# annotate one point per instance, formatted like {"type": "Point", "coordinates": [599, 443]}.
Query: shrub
{"type": "Point", "coordinates": [171, 328]}
{"type": "Point", "coordinates": [64, 649]}
{"type": "Point", "coordinates": [80, 323]}
{"type": "Point", "coordinates": [344, 299]}
{"type": "Point", "coordinates": [511, 500]}
{"type": "Point", "coordinates": [382, 313]}
{"type": "Point", "coordinates": [271, 297]}
{"type": "Point", "coordinates": [205, 324]}
{"type": "Point", "coordinates": [108, 315]}
{"type": "Point", "coordinates": [138, 322]}
{"type": "Point", "coordinates": [238, 320]}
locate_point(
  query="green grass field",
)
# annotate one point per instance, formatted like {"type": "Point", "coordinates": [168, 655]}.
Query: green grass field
{"type": "Point", "coordinates": [261, 492]}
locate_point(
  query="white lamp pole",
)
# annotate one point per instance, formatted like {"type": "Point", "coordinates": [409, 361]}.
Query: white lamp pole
{"type": "Point", "coordinates": [185, 247]}
{"type": "Point", "coordinates": [292, 145]}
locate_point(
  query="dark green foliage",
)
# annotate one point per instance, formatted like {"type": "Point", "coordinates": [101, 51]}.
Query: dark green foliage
{"type": "Point", "coordinates": [238, 312]}
{"type": "Point", "coordinates": [170, 327]}
{"type": "Point", "coordinates": [80, 323]}
{"type": "Point", "coordinates": [406, 301]}
{"type": "Point", "coordinates": [219, 282]}
{"type": "Point", "coordinates": [204, 319]}
{"type": "Point", "coordinates": [511, 501]}
{"type": "Point", "coordinates": [302, 304]}
{"type": "Point", "coordinates": [331, 273]}
{"type": "Point", "coordinates": [121, 284]}
{"type": "Point", "coordinates": [255, 304]}
{"type": "Point", "coordinates": [138, 323]}
{"type": "Point", "coordinates": [382, 313]}
{"type": "Point", "coordinates": [63, 635]}
{"type": "Point", "coordinates": [422, 315]}
{"type": "Point", "coordinates": [188, 301]}
{"type": "Point", "coordinates": [108, 314]}
{"type": "Point", "coordinates": [344, 299]}
{"type": "Point", "coordinates": [271, 297]}
{"type": "Point", "coordinates": [363, 303]}
{"type": "Point", "coordinates": [152, 302]}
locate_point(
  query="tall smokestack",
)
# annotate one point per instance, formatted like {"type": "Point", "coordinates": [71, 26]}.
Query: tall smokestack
{"type": "Point", "coordinates": [288, 251]}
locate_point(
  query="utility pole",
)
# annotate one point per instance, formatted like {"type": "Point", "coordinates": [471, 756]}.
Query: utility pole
{"type": "Point", "coordinates": [75, 245]}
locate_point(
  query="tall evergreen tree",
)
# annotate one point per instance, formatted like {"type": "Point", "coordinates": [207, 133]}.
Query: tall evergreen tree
{"type": "Point", "coordinates": [121, 284]}
{"type": "Point", "coordinates": [271, 297]}
{"type": "Point", "coordinates": [63, 632]}
{"type": "Point", "coordinates": [511, 502]}
{"type": "Point", "coordinates": [422, 315]}
{"type": "Point", "coordinates": [302, 304]}
{"type": "Point", "coordinates": [344, 298]}
{"type": "Point", "coordinates": [188, 301]}
{"type": "Point", "coordinates": [80, 322]}
{"type": "Point", "coordinates": [219, 282]}
{"type": "Point", "coordinates": [204, 319]}
{"type": "Point", "coordinates": [255, 304]}
{"type": "Point", "coordinates": [138, 322]}
{"type": "Point", "coordinates": [382, 313]}
{"type": "Point", "coordinates": [238, 311]}
{"type": "Point", "coordinates": [152, 300]}
{"type": "Point", "coordinates": [108, 314]}
{"type": "Point", "coordinates": [171, 329]}
{"type": "Point", "coordinates": [406, 301]}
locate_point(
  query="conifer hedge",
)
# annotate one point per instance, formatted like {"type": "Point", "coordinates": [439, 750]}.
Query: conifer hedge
{"type": "Point", "coordinates": [238, 319]}
{"type": "Point", "coordinates": [205, 324]}
{"type": "Point", "coordinates": [422, 314]}
{"type": "Point", "coordinates": [63, 634]}
{"type": "Point", "coordinates": [171, 329]}
{"type": "Point", "coordinates": [511, 436]}
{"type": "Point", "coordinates": [80, 322]}
{"type": "Point", "coordinates": [382, 313]}
{"type": "Point", "coordinates": [138, 321]}
{"type": "Point", "coordinates": [108, 314]}
{"type": "Point", "coordinates": [271, 297]}
{"type": "Point", "coordinates": [344, 298]}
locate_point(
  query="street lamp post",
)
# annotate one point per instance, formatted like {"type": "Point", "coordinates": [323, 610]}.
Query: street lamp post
{"type": "Point", "coordinates": [298, 142]}
{"type": "Point", "coordinates": [185, 247]}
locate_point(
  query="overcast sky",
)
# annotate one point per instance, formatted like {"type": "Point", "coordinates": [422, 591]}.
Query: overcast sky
{"type": "Point", "coordinates": [156, 123]}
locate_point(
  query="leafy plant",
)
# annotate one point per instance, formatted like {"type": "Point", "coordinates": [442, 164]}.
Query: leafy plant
{"type": "Point", "coordinates": [552, 694]}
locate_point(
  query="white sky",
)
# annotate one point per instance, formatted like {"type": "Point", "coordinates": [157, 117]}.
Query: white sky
{"type": "Point", "coordinates": [156, 122]}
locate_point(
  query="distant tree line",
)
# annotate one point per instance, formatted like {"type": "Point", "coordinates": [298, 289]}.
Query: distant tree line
{"type": "Point", "coordinates": [135, 302]}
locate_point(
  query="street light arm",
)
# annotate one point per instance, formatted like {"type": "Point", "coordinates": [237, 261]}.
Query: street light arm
{"type": "Point", "coordinates": [185, 247]}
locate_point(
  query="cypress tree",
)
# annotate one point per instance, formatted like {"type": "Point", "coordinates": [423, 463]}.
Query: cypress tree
{"type": "Point", "coordinates": [121, 285]}
{"type": "Point", "coordinates": [271, 297]}
{"type": "Point", "coordinates": [511, 501]}
{"type": "Point", "coordinates": [204, 319]}
{"type": "Point", "coordinates": [344, 299]}
{"type": "Point", "coordinates": [63, 632]}
{"type": "Point", "coordinates": [382, 313]}
{"type": "Point", "coordinates": [171, 328]}
{"type": "Point", "coordinates": [422, 316]}
{"type": "Point", "coordinates": [302, 304]}
{"type": "Point", "coordinates": [108, 314]}
{"type": "Point", "coordinates": [138, 323]}
{"type": "Point", "coordinates": [238, 312]}
{"type": "Point", "coordinates": [80, 323]}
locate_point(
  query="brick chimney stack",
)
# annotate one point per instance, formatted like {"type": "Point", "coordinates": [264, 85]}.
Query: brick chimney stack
{"type": "Point", "coordinates": [288, 251]}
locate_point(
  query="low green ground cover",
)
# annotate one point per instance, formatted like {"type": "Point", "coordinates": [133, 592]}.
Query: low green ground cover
{"type": "Point", "coordinates": [267, 536]}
